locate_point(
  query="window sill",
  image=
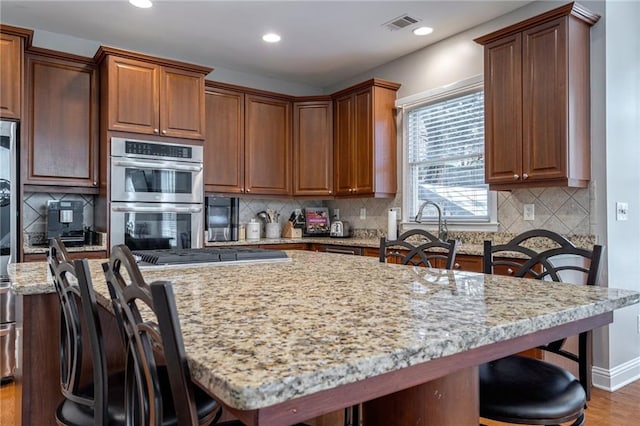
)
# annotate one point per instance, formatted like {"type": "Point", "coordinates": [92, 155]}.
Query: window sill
{"type": "Point", "coordinates": [453, 226]}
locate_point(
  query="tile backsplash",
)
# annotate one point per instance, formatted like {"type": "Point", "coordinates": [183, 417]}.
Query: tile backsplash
{"type": "Point", "coordinates": [562, 210]}
{"type": "Point", "coordinates": [34, 213]}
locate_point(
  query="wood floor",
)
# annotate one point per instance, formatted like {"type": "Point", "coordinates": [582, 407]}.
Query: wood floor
{"type": "Point", "coordinates": [620, 408]}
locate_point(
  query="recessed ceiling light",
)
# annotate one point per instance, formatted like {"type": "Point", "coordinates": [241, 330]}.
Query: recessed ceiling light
{"type": "Point", "coordinates": [143, 4]}
{"type": "Point", "coordinates": [423, 31]}
{"type": "Point", "coordinates": [271, 38]}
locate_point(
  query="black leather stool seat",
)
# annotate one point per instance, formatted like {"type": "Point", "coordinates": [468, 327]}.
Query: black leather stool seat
{"type": "Point", "coordinates": [70, 412]}
{"type": "Point", "coordinates": [551, 395]}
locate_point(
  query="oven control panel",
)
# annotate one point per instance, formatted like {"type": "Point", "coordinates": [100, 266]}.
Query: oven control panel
{"type": "Point", "coordinates": [158, 150]}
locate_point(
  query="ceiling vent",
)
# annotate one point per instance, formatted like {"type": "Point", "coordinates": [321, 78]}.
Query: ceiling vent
{"type": "Point", "coordinates": [400, 22]}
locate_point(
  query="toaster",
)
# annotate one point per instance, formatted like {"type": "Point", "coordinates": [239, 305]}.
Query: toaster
{"type": "Point", "coordinates": [340, 229]}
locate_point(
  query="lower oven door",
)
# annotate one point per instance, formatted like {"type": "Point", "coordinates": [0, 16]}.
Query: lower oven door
{"type": "Point", "coordinates": [149, 226]}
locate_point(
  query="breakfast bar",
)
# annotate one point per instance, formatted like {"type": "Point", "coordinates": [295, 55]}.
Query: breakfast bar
{"type": "Point", "coordinates": [279, 343]}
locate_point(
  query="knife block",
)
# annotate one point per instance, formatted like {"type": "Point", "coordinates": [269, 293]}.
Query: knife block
{"type": "Point", "coordinates": [290, 232]}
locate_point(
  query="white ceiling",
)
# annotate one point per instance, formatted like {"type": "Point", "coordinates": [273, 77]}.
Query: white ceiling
{"type": "Point", "coordinates": [323, 42]}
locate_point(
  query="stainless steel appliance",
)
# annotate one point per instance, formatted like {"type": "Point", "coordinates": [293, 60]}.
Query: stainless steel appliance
{"type": "Point", "coordinates": [157, 194]}
{"type": "Point", "coordinates": [215, 255]}
{"type": "Point", "coordinates": [65, 220]}
{"type": "Point", "coordinates": [143, 226]}
{"type": "Point", "coordinates": [8, 245]}
{"type": "Point", "coordinates": [156, 172]}
{"type": "Point", "coordinates": [340, 229]}
{"type": "Point", "coordinates": [222, 218]}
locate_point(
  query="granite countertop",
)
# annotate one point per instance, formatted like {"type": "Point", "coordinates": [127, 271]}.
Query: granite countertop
{"type": "Point", "coordinates": [469, 243]}
{"type": "Point", "coordinates": [261, 334]}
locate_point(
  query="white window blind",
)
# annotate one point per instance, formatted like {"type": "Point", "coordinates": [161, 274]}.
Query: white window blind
{"type": "Point", "coordinates": [445, 156]}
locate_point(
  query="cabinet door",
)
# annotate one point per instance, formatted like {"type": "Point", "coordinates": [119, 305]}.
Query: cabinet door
{"type": "Point", "coordinates": [224, 141]}
{"type": "Point", "coordinates": [133, 98]}
{"type": "Point", "coordinates": [267, 145]}
{"type": "Point", "coordinates": [503, 110]}
{"type": "Point", "coordinates": [343, 144]}
{"type": "Point", "coordinates": [544, 101]}
{"type": "Point", "coordinates": [362, 156]}
{"type": "Point", "coordinates": [62, 123]}
{"type": "Point", "coordinates": [10, 75]}
{"type": "Point", "coordinates": [313, 148]}
{"type": "Point", "coordinates": [181, 104]}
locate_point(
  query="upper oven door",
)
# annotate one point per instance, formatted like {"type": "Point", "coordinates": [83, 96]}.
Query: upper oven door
{"type": "Point", "coordinates": [142, 180]}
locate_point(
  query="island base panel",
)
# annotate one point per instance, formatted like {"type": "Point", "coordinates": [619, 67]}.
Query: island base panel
{"type": "Point", "coordinates": [448, 401]}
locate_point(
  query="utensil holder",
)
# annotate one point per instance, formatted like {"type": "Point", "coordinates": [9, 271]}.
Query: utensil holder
{"type": "Point", "coordinates": [273, 230]}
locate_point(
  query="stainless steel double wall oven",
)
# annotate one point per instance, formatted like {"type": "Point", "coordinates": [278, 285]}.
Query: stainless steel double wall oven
{"type": "Point", "coordinates": [157, 194]}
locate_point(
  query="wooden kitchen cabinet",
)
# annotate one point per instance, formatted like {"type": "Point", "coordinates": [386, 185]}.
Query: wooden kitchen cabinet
{"type": "Point", "coordinates": [365, 140]}
{"type": "Point", "coordinates": [247, 146]}
{"type": "Point", "coordinates": [537, 115]}
{"type": "Point", "coordinates": [224, 141]}
{"type": "Point", "coordinates": [153, 96]}
{"type": "Point", "coordinates": [12, 44]}
{"type": "Point", "coordinates": [267, 156]}
{"type": "Point", "coordinates": [313, 148]}
{"type": "Point", "coordinates": [60, 147]}
{"type": "Point", "coordinates": [466, 262]}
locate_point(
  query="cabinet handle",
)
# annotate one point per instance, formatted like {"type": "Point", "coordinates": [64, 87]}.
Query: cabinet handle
{"type": "Point", "coordinates": [248, 190]}
{"type": "Point", "coordinates": [516, 177]}
{"type": "Point", "coordinates": [155, 130]}
{"type": "Point", "coordinates": [525, 176]}
{"type": "Point", "coordinates": [242, 190]}
{"type": "Point", "coordinates": [456, 265]}
{"type": "Point", "coordinates": [95, 183]}
{"type": "Point", "coordinates": [510, 271]}
{"type": "Point", "coordinates": [330, 192]}
{"type": "Point", "coordinates": [164, 132]}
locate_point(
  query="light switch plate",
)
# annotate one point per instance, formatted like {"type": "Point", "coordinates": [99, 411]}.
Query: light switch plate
{"type": "Point", "coordinates": [622, 210]}
{"type": "Point", "coordinates": [529, 212]}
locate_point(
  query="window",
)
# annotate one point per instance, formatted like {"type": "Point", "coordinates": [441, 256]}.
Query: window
{"type": "Point", "coordinates": [444, 149]}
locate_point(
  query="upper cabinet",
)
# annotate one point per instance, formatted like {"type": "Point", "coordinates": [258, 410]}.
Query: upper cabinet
{"type": "Point", "coordinates": [267, 145]}
{"type": "Point", "coordinates": [247, 147]}
{"type": "Point", "coordinates": [313, 148]}
{"type": "Point", "coordinates": [12, 44]}
{"type": "Point", "coordinates": [224, 141]}
{"type": "Point", "coordinates": [61, 124]}
{"type": "Point", "coordinates": [153, 96]}
{"type": "Point", "coordinates": [537, 101]}
{"type": "Point", "coordinates": [365, 140]}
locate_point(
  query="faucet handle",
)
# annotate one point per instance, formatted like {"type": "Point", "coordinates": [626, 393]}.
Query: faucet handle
{"type": "Point", "coordinates": [444, 231]}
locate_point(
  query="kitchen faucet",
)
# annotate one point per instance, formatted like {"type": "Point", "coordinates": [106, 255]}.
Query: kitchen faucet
{"type": "Point", "coordinates": [442, 227]}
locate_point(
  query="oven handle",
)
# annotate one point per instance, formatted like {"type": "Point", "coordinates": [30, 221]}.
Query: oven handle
{"type": "Point", "coordinates": [157, 165]}
{"type": "Point", "coordinates": [129, 209]}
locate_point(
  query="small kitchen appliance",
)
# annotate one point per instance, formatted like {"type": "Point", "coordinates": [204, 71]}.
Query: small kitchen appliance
{"type": "Point", "coordinates": [340, 229]}
{"type": "Point", "coordinates": [64, 220]}
{"type": "Point", "coordinates": [222, 218]}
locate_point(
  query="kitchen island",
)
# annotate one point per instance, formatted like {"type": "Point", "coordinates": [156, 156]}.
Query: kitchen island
{"type": "Point", "coordinates": [280, 343]}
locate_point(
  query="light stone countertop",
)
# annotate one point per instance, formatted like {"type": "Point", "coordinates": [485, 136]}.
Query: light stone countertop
{"type": "Point", "coordinates": [261, 334]}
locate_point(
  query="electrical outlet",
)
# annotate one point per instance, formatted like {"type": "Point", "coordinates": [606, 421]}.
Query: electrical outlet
{"type": "Point", "coordinates": [336, 214]}
{"type": "Point", "coordinates": [363, 213]}
{"type": "Point", "coordinates": [529, 212]}
{"type": "Point", "coordinates": [622, 210]}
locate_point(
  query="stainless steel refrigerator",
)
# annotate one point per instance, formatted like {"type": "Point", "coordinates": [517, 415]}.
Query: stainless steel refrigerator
{"type": "Point", "coordinates": [8, 247]}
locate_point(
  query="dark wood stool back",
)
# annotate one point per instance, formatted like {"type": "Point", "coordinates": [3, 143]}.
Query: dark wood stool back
{"type": "Point", "coordinates": [422, 249]}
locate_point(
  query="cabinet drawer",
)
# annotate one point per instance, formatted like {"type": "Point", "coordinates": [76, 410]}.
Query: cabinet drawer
{"type": "Point", "coordinates": [468, 263]}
